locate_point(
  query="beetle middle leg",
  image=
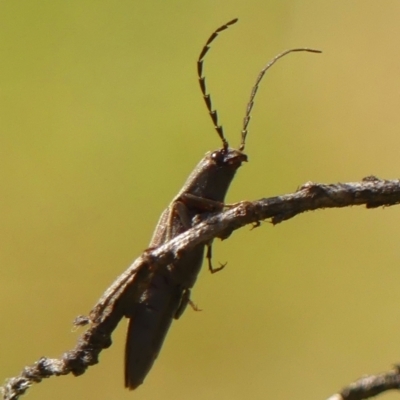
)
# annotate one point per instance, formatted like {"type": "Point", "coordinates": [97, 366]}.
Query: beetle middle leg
{"type": "Point", "coordinates": [209, 257]}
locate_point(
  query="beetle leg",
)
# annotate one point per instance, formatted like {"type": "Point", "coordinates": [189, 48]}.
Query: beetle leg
{"type": "Point", "coordinates": [185, 300]}
{"type": "Point", "coordinates": [201, 202]}
{"type": "Point", "coordinates": [181, 210]}
{"type": "Point", "coordinates": [209, 257]}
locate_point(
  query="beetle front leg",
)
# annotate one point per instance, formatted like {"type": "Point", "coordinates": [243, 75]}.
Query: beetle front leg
{"type": "Point", "coordinates": [201, 203]}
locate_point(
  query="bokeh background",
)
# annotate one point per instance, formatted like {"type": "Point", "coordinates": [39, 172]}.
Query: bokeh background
{"type": "Point", "coordinates": [101, 121]}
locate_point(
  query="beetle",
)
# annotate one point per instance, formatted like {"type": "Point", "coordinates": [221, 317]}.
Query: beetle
{"type": "Point", "coordinates": [163, 295]}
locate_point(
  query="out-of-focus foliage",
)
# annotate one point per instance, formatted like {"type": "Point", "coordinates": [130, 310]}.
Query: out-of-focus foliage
{"type": "Point", "coordinates": [101, 121]}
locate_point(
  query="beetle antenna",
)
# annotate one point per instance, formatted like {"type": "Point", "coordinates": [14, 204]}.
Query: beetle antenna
{"type": "Point", "coordinates": [202, 81]}
{"type": "Point", "coordinates": [254, 90]}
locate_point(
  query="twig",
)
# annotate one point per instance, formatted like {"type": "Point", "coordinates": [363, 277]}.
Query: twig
{"type": "Point", "coordinates": [109, 310]}
{"type": "Point", "coordinates": [370, 386]}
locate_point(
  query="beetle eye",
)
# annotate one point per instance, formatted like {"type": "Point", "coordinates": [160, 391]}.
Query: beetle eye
{"type": "Point", "coordinates": [217, 157]}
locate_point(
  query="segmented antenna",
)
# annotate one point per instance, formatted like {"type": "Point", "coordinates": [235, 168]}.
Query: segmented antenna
{"type": "Point", "coordinates": [250, 104]}
{"type": "Point", "coordinates": [202, 81]}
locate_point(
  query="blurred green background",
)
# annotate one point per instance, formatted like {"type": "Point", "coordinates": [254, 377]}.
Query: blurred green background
{"type": "Point", "coordinates": [102, 120]}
